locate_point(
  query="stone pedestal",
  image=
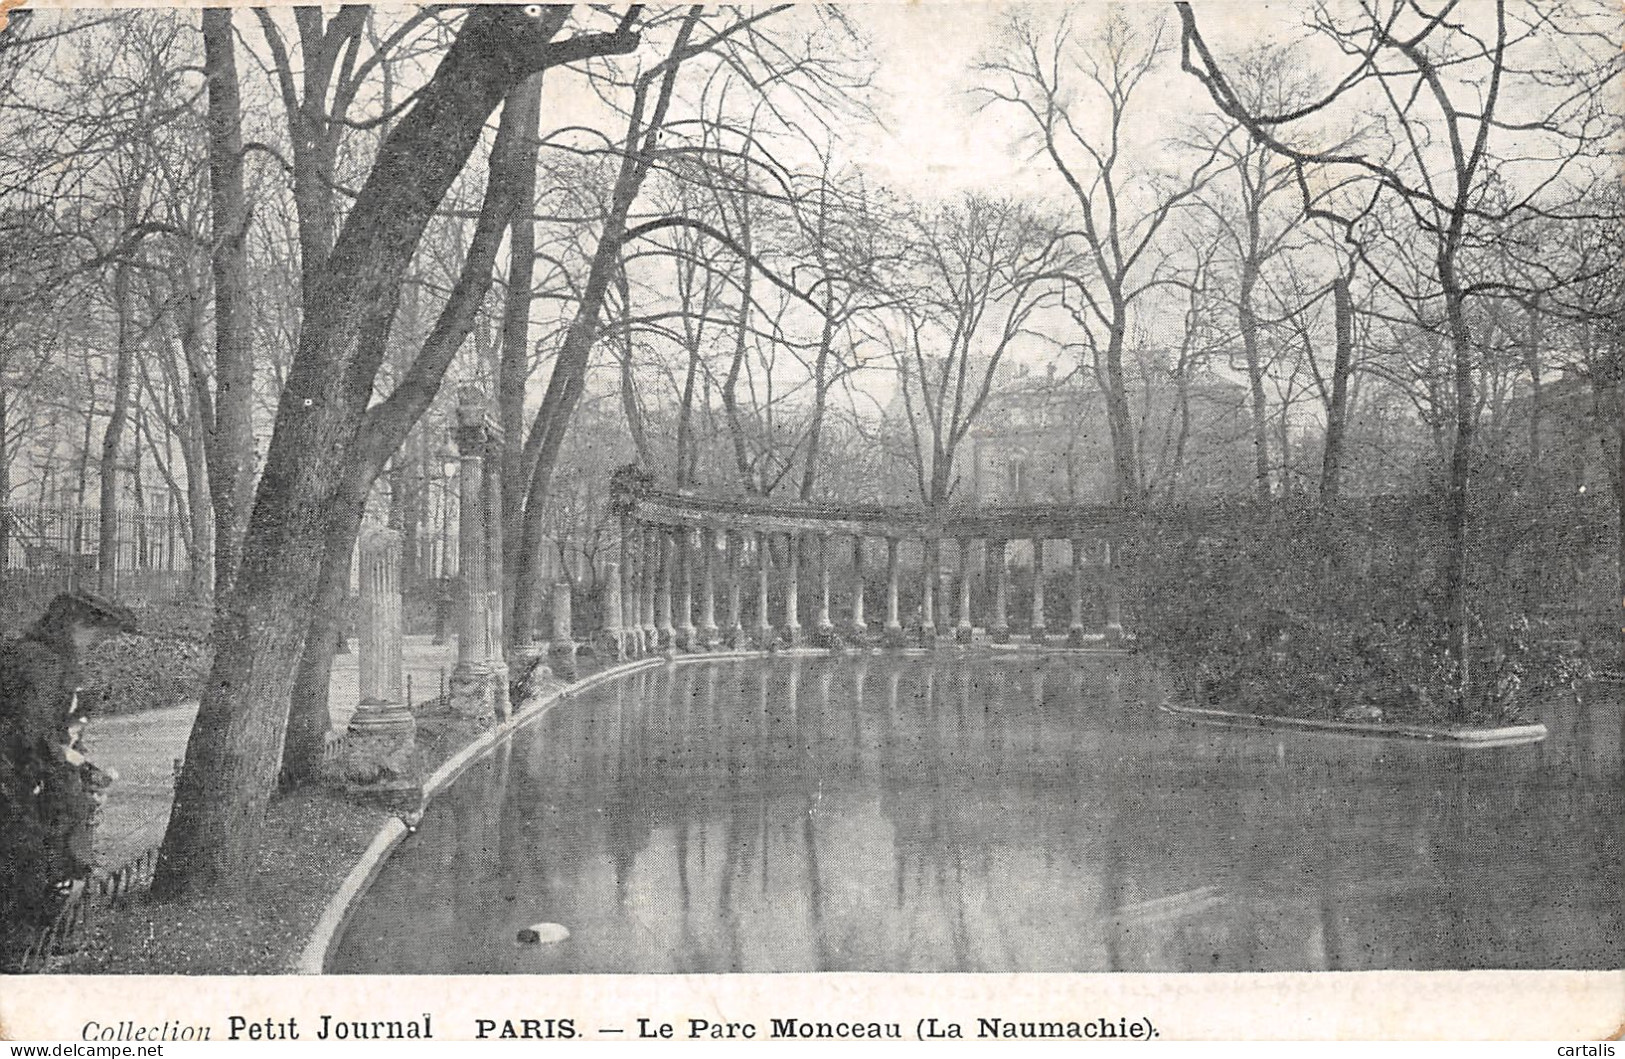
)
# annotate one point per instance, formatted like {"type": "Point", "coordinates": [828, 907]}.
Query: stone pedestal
{"type": "Point", "coordinates": [469, 688]}
{"type": "Point", "coordinates": [380, 750]}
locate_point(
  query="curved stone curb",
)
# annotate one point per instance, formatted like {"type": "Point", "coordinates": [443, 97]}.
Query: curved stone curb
{"type": "Point", "coordinates": [1509, 735]}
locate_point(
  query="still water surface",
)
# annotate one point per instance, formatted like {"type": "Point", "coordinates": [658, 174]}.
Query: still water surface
{"type": "Point", "coordinates": [995, 813]}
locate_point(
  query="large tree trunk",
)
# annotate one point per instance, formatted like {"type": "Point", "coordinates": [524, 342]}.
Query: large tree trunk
{"type": "Point", "coordinates": [5, 485]}
{"type": "Point", "coordinates": [815, 430]}
{"type": "Point", "coordinates": [687, 446]}
{"type": "Point", "coordinates": [229, 446]}
{"type": "Point", "coordinates": [565, 386]}
{"type": "Point", "coordinates": [1255, 384]}
{"type": "Point", "coordinates": [1331, 462]}
{"type": "Point", "coordinates": [552, 424]}
{"type": "Point", "coordinates": [235, 750]}
{"type": "Point", "coordinates": [1531, 353]}
{"type": "Point", "coordinates": [1118, 417]}
{"type": "Point", "coordinates": [391, 421]}
{"type": "Point", "coordinates": [197, 420]}
{"type": "Point", "coordinates": [310, 715]}
{"type": "Point", "coordinates": [629, 391]}
{"type": "Point", "coordinates": [730, 383]}
{"type": "Point", "coordinates": [1458, 499]}
{"type": "Point", "coordinates": [514, 368]}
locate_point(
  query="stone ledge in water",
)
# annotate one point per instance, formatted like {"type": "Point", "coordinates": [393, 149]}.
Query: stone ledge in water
{"type": "Point", "coordinates": [1504, 735]}
{"type": "Point", "coordinates": [543, 934]}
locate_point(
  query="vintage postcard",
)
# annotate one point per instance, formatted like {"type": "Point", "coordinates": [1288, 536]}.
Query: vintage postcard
{"type": "Point", "coordinates": [907, 521]}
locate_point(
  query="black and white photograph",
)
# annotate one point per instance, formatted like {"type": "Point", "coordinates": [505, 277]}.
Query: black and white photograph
{"type": "Point", "coordinates": [922, 489]}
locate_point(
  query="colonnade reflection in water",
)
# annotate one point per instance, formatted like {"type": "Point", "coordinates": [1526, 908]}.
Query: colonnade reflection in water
{"type": "Point", "coordinates": [963, 812]}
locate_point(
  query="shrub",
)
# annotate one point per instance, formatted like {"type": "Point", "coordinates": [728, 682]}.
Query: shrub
{"type": "Point", "coordinates": [1295, 609]}
{"type": "Point", "coordinates": [164, 665]}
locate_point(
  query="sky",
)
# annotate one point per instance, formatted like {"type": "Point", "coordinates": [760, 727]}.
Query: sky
{"type": "Point", "coordinates": [936, 142]}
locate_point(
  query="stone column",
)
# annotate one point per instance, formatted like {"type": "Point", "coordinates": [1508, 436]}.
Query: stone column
{"type": "Point", "coordinates": [471, 676]}
{"type": "Point", "coordinates": [1038, 592]}
{"type": "Point", "coordinates": [859, 626]}
{"type": "Point", "coordinates": [491, 496]}
{"type": "Point", "coordinates": [646, 595]}
{"type": "Point", "coordinates": [379, 751]}
{"type": "Point", "coordinates": [668, 553]}
{"type": "Point", "coordinates": [378, 648]}
{"type": "Point", "coordinates": [792, 588]}
{"type": "Point", "coordinates": [736, 626]}
{"type": "Point", "coordinates": [561, 641]}
{"type": "Point", "coordinates": [496, 635]}
{"type": "Point", "coordinates": [764, 620]}
{"type": "Point", "coordinates": [614, 636]}
{"type": "Point", "coordinates": [963, 631]}
{"type": "Point", "coordinates": [825, 625]}
{"type": "Point", "coordinates": [629, 592]}
{"type": "Point", "coordinates": [1114, 603]}
{"type": "Point", "coordinates": [998, 568]}
{"type": "Point", "coordinates": [928, 592]}
{"type": "Point", "coordinates": [1075, 631]}
{"type": "Point", "coordinates": [685, 632]}
{"type": "Point", "coordinates": [894, 627]}
{"type": "Point", "coordinates": [708, 588]}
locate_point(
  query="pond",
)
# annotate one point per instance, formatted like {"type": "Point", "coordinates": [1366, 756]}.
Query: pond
{"type": "Point", "coordinates": [972, 811]}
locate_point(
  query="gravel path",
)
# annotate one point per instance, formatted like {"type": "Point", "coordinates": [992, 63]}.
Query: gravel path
{"type": "Point", "coordinates": [143, 748]}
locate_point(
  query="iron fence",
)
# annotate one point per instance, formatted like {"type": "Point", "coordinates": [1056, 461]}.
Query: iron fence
{"type": "Point", "coordinates": [60, 544]}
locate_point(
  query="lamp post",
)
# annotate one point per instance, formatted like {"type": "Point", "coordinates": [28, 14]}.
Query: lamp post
{"type": "Point", "coordinates": [447, 467]}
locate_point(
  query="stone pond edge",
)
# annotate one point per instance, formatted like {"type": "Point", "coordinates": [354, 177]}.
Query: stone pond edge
{"type": "Point", "coordinates": [1505, 735]}
{"type": "Point", "coordinates": [313, 957]}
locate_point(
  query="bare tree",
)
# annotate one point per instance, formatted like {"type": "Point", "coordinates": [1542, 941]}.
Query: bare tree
{"type": "Point", "coordinates": [327, 439]}
{"type": "Point", "coordinates": [1457, 83]}
{"type": "Point", "coordinates": [1056, 81]}
{"type": "Point", "coordinates": [977, 273]}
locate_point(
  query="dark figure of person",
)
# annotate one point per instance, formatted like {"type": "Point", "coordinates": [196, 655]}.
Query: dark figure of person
{"type": "Point", "coordinates": [49, 789]}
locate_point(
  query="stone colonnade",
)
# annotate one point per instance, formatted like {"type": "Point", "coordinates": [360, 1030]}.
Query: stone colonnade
{"type": "Point", "coordinates": [697, 579]}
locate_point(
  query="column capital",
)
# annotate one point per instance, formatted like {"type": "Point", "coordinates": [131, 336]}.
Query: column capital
{"type": "Point", "coordinates": [477, 432]}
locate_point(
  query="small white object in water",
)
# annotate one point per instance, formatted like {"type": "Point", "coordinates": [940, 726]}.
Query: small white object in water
{"type": "Point", "coordinates": [543, 934]}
